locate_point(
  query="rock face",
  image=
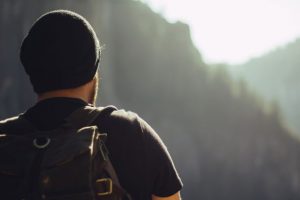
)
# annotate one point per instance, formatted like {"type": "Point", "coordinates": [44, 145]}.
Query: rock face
{"type": "Point", "coordinates": [223, 144]}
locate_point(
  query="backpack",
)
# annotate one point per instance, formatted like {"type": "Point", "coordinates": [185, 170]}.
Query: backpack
{"type": "Point", "coordinates": [68, 163]}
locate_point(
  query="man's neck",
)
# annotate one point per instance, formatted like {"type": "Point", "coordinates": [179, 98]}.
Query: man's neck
{"type": "Point", "coordinates": [63, 93]}
{"type": "Point", "coordinates": [83, 92]}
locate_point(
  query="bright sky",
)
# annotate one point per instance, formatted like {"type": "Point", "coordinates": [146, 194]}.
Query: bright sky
{"type": "Point", "coordinates": [233, 31]}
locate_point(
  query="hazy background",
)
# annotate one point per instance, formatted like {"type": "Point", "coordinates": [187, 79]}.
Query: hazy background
{"type": "Point", "coordinates": [233, 31]}
{"type": "Point", "coordinates": [221, 89]}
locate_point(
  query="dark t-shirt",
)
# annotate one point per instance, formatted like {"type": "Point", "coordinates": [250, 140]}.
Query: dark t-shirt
{"type": "Point", "coordinates": [137, 153]}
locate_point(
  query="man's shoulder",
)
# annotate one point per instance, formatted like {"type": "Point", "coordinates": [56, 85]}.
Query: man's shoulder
{"type": "Point", "coordinates": [124, 116]}
{"type": "Point", "coordinates": [121, 119]}
{"type": "Point", "coordinates": [129, 126]}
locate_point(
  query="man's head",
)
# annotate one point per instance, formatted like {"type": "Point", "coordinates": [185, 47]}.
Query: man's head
{"type": "Point", "coordinates": [60, 52]}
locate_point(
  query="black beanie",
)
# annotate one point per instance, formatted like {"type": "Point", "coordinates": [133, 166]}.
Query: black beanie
{"type": "Point", "coordinates": [60, 51]}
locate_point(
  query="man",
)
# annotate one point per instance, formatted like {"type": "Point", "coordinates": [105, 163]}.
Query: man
{"type": "Point", "coordinates": [61, 54]}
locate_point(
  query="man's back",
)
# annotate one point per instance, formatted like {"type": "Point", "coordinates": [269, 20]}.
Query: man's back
{"type": "Point", "coordinates": [139, 157]}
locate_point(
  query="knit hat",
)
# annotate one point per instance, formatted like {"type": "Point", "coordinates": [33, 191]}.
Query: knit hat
{"type": "Point", "coordinates": [60, 51]}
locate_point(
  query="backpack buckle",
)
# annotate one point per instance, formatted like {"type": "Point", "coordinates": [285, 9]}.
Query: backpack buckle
{"type": "Point", "coordinates": [104, 184]}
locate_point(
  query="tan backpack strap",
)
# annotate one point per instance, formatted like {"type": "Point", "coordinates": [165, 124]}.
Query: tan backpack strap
{"type": "Point", "coordinates": [116, 184]}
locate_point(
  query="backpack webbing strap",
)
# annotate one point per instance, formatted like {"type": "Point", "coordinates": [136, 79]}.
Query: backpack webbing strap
{"type": "Point", "coordinates": [89, 115]}
{"type": "Point", "coordinates": [116, 185]}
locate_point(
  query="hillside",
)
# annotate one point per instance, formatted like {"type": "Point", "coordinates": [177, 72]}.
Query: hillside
{"type": "Point", "coordinates": [223, 143]}
{"type": "Point", "coordinates": [275, 76]}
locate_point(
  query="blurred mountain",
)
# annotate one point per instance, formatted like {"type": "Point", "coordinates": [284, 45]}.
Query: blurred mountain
{"type": "Point", "coordinates": [275, 76]}
{"type": "Point", "coordinates": [224, 144]}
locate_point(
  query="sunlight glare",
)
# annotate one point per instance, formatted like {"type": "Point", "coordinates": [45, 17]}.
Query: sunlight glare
{"type": "Point", "coordinates": [234, 31]}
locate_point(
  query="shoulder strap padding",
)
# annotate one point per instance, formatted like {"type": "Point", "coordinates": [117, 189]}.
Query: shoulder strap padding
{"type": "Point", "coordinates": [16, 125]}
{"type": "Point", "coordinates": [87, 115]}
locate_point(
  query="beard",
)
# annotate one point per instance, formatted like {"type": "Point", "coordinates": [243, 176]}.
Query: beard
{"type": "Point", "coordinates": [94, 91]}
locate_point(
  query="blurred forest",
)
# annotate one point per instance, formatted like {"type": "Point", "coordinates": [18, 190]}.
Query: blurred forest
{"type": "Point", "coordinates": [275, 76]}
{"type": "Point", "coordinates": [224, 144]}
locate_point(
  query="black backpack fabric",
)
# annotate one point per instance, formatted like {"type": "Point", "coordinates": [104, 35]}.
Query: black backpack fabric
{"type": "Point", "coordinates": [68, 163]}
